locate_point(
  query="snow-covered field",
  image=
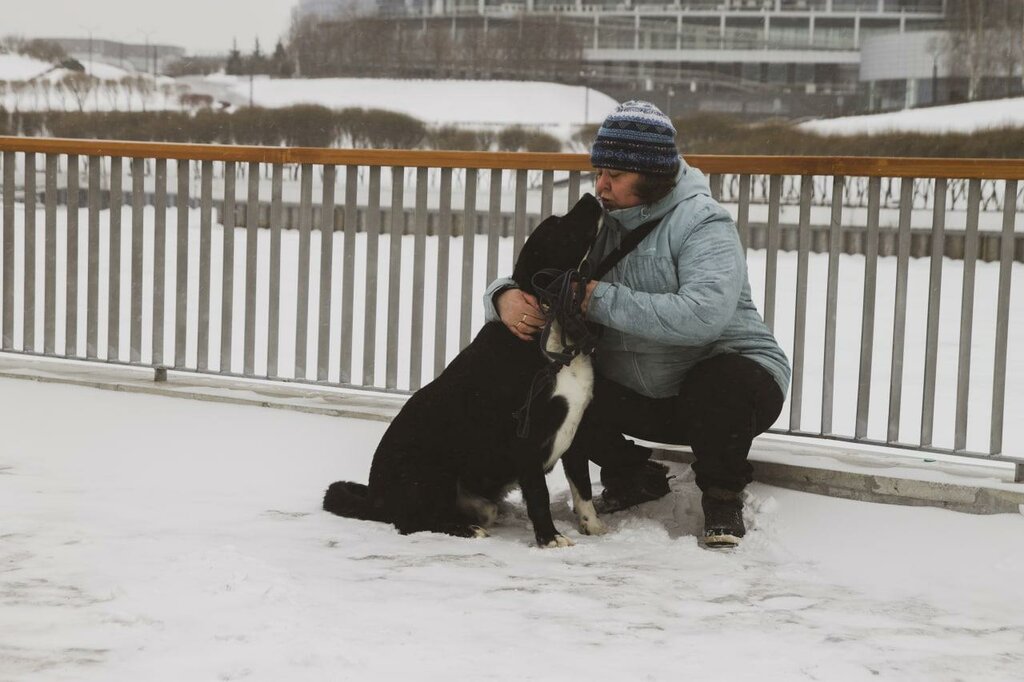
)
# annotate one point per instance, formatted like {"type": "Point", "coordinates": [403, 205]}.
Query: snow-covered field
{"type": "Point", "coordinates": [149, 538]}
{"type": "Point", "coordinates": [954, 118]}
{"type": "Point", "coordinates": [493, 104]}
{"type": "Point", "coordinates": [490, 105]}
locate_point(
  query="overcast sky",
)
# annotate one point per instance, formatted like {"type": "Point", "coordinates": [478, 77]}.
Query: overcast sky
{"type": "Point", "coordinates": [200, 26]}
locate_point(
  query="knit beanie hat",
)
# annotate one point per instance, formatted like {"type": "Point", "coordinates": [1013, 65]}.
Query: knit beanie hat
{"type": "Point", "coordinates": [636, 137]}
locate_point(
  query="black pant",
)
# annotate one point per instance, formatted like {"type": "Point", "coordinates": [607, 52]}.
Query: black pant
{"type": "Point", "coordinates": [723, 403]}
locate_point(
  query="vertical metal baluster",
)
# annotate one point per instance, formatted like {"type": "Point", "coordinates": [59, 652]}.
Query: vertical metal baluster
{"type": "Point", "coordinates": [573, 192]}
{"type": "Point", "coordinates": [743, 213]}
{"type": "Point", "coordinates": [29, 304]}
{"type": "Point", "coordinates": [493, 225]}
{"type": "Point", "coordinates": [370, 312]}
{"type": "Point", "coordinates": [92, 279]}
{"type": "Point", "coordinates": [323, 362]}
{"type": "Point", "coordinates": [395, 231]}
{"type": "Point", "coordinates": [252, 215]}
{"type": "Point", "coordinates": [963, 374]}
{"type": "Point", "coordinates": [138, 195]}
{"type": "Point", "coordinates": [469, 254]}
{"type": "Point", "coordinates": [274, 292]}
{"type": "Point", "coordinates": [931, 354]}
{"type": "Point", "coordinates": [348, 272]}
{"type": "Point", "coordinates": [520, 214]}
{"type": "Point", "coordinates": [715, 181]}
{"type": "Point", "coordinates": [832, 296]}
{"type": "Point", "coordinates": [114, 263]}
{"type": "Point", "coordinates": [867, 325]}
{"type": "Point", "coordinates": [205, 263]}
{"type": "Point", "coordinates": [50, 258]}
{"type": "Point", "coordinates": [418, 267]}
{"type": "Point", "coordinates": [444, 238]}
{"type": "Point", "coordinates": [547, 192]}
{"type": "Point", "coordinates": [302, 299]}
{"type": "Point", "coordinates": [71, 283]}
{"type": "Point", "coordinates": [772, 256]}
{"type": "Point", "coordinates": [899, 325]}
{"type": "Point", "coordinates": [1003, 317]}
{"type": "Point", "coordinates": [181, 271]}
{"type": "Point", "coordinates": [800, 324]}
{"type": "Point", "coordinates": [159, 261]}
{"type": "Point", "coordinates": [227, 293]}
{"type": "Point", "coordinates": [7, 317]}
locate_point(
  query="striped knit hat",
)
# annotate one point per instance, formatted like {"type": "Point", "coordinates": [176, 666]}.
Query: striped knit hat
{"type": "Point", "coordinates": [636, 137]}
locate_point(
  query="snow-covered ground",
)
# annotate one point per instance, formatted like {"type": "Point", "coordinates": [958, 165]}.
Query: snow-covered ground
{"type": "Point", "coordinates": [954, 118]}
{"type": "Point", "coordinates": [487, 104]}
{"type": "Point", "coordinates": [14, 67]}
{"type": "Point", "coordinates": [153, 538]}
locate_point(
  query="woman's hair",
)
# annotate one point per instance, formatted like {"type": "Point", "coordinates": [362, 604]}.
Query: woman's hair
{"type": "Point", "coordinates": [649, 188]}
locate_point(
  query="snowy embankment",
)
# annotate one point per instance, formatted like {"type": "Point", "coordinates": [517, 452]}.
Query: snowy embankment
{"type": "Point", "coordinates": [161, 539]}
{"type": "Point", "coordinates": [480, 105]}
{"type": "Point", "coordinates": [954, 118]}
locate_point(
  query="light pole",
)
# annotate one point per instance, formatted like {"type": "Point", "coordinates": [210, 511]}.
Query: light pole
{"type": "Point", "coordinates": [89, 30]}
{"type": "Point", "coordinates": [145, 55]}
{"type": "Point", "coordinates": [585, 74]}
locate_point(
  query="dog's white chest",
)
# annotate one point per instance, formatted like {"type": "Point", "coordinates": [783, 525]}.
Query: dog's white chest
{"type": "Point", "coordinates": [574, 383]}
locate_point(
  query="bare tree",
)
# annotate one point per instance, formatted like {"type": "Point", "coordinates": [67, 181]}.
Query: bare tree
{"type": "Point", "coordinates": [58, 89]}
{"type": "Point", "coordinates": [145, 87]}
{"type": "Point", "coordinates": [17, 89]}
{"type": "Point", "coordinates": [128, 84]}
{"type": "Point", "coordinates": [985, 39]}
{"type": "Point", "coordinates": [79, 86]}
{"type": "Point", "coordinates": [112, 90]}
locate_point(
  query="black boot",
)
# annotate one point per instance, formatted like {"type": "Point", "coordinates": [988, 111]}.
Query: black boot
{"type": "Point", "coordinates": [723, 517]}
{"type": "Point", "coordinates": [627, 485]}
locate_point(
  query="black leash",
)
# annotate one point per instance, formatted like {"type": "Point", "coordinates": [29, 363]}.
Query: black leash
{"type": "Point", "coordinates": [561, 297]}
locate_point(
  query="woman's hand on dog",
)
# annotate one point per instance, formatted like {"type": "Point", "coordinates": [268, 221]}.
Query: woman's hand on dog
{"type": "Point", "coordinates": [520, 312]}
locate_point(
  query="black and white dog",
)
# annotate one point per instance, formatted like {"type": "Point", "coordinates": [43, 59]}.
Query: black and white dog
{"type": "Point", "coordinates": [503, 412]}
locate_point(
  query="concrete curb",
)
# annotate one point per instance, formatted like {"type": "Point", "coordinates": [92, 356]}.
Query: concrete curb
{"type": "Point", "coordinates": [971, 498]}
{"type": "Point", "coordinates": [826, 469]}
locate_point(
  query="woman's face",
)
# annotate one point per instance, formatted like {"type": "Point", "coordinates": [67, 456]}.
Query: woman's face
{"type": "Point", "coordinates": [616, 188]}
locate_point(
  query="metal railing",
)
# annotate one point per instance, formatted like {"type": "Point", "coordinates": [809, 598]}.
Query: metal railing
{"type": "Point", "coordinates": [339, 301]}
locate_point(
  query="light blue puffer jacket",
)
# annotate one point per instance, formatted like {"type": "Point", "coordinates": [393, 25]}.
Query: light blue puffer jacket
{"type": "Point", "coordinates": [681, 296]}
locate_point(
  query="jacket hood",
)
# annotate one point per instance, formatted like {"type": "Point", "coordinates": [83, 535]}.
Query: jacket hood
{"type": "Point", "coordinates": [690, 183]}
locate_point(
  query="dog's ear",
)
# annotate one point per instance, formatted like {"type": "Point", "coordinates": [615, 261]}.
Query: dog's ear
{"type": "Point", "coordinates": [586, 211]}
{"type": "Point", "coordinates": [558, 242]}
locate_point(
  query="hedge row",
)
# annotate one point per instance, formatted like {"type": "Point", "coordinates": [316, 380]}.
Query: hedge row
{"type": "Point", "coordinates": [298, 126]}
{"type": "Point", "coordinates": [718, 134]}
{"type": "Point", "coordinates": [315, 126]}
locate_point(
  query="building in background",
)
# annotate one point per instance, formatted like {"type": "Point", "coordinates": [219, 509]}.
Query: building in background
{"type": "Point", "coordinates": [785, 57]}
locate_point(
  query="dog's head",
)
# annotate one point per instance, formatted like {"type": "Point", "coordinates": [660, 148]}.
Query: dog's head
{"type": "Point", "coordinates": [559, 243]}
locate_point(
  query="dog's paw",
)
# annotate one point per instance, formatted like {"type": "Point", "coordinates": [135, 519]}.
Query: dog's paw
{"type": "Point", "coordinates": [479, 532]}
{"type": "Point", "coordinates": [590, 524]}
{"type": "Point", "coordinates": [558, 541]}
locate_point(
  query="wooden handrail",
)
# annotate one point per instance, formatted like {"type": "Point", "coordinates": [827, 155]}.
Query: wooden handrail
{"type": "Point", "coordinates": [856, 166]}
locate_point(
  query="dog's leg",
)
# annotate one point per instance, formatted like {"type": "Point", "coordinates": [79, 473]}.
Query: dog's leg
{"type": "Point", "coordinates": [476, 507]}
{"type": "Point", "coordinates": [577, 471]}
{"type": "Point", "coordinates": [423, 500]}
{"type": "Point", "coordinates": [538, 502]}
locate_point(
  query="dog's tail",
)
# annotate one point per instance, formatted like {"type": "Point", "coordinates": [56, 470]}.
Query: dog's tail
{"type": "Point", "coordinates": [351, 500]}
